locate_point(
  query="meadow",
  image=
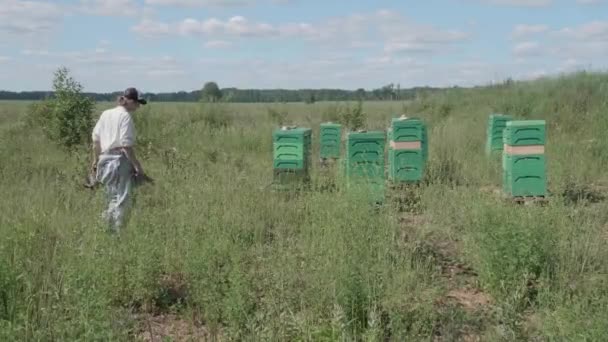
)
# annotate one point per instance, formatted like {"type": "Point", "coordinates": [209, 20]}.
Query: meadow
{"type": "Point", "coordinates": [211, 252]}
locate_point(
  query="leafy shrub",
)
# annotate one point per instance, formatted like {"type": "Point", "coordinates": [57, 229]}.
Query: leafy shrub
{"type": "Point", "coordinates": [277, 117]}
{"type": "Point", "coordinates": [331, 114]}
{"type": "Point", "coordinates": [353, 118]}
{"type": "Point", "coordinates": [66, 117]}
{"type": "Point", "coordinates": [213, 115]}
{"type": "Point", "coordinates": [216, 116]}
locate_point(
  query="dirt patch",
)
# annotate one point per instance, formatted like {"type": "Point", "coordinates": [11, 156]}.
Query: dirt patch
{"type": "Point", "coordinates": [532, 323]}
{"type": "Point", "coordinates": [582, 193]}
{"type": "Point", "coordinates": [172, 290]}
{"type": "Point", "coordinates": [410, 223]}
{"type": "Point", "coordinates": [160, 328]}
{"type": "Point", "coordinates": [406, 198]}
{"type": "Point", "coordinates": [471, 299]}
{"type": "Point", "coordinates": [465, 309]}
{"type": "Point", "coordinates": [491, 190]}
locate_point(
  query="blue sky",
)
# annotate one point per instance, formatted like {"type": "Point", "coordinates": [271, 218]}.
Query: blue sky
{"type": "Point", "coordinates": [171, 45]}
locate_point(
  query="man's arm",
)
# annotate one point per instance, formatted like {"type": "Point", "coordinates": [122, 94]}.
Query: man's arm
{"type": "Point", "coordinates": [96, 153]}
{"type": "Point", "coordinates": [130, 153]}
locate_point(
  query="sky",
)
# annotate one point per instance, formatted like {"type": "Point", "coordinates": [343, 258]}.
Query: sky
{"type": "Point", "coordinates": [175, 45]}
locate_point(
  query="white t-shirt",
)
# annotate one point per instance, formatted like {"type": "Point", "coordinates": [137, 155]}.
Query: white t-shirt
{"type": "Point", "coordinates": [114, 128]}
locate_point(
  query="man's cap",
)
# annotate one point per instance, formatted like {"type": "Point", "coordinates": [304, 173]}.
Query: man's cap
{"type": "Point", "coordinates": [135, 95]}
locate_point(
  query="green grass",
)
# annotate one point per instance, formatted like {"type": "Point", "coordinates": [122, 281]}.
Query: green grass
{"type": "Point", "coordinates": [252, 264]}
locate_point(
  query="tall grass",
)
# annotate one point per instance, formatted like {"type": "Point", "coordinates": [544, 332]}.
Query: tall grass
{"type": "Point", "coordinates": [211, 242]}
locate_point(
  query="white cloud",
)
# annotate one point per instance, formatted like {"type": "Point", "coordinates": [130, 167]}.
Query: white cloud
{"type": "Point", "coordinates": [235, 26]}
{"type": "Point", "coordinates": [389, 29]}
{"type": "Point", "coordinates": [97, 68]}
{"type": "Point", "coordinates": [213, 3]}
{"type": "Point", "coordinates": [151, 29]}
{"type": "Point", "coordinates": [35, 52]}
{"type": "Point", "coordinates": [527, 49]}
{"type": "Point", "coordinates": [424, 40]}
{"type": "Point", "coordinates": [199, 3]}
{"type": "Point", "coordinates": [596, 31]}
{"type": "Point", "coordinates": [29, 17]}
{"type": "Point", "coordinates": [218, 44]}
{"type": "Point", "coordinates": [524, 31]}
{"type": "Point", "coordinates": [110, 7]}
{"type": "Point", "coordinates": [570, 65]}
{"type": "Point", "coordinates": [4, 59]}
{"type": "Point", "coordinates": [590, 2]}
{"type": "Point", "coordinates": [520, 3]}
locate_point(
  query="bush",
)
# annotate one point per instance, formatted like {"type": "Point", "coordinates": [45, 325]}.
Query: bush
{"type": "Point", "coordinates": [331, 114]}
{"type": "Point", "coordinates": [66, 117]}
{"type": "Point", "coordinates": [353, 118]}
{"type": "Point", "coordinates": [277, 117]}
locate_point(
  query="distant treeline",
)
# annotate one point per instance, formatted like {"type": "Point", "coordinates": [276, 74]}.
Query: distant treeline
{"type": "Point", "coordinates": [389, 92]}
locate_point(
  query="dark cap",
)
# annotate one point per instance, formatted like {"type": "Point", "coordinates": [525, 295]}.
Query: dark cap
{"type": "Point", "coordinates": [135, 95]}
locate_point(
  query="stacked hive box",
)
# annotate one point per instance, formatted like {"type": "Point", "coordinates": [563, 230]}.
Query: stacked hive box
{"type": "Point", "coordinates": [425, 143]}
{"type": "Point", "coordinates": [365, 161]}
{"type": "Point", "coordinates": [524, 171]}
{"type": "Point", "coordinates": [408, 149]}
{"type": "Point", "coordinates": [496, 125]}
{"type": "Point", "coordinates": [291, 154]}
{"type": "Point", "coordinates": [330, 140]}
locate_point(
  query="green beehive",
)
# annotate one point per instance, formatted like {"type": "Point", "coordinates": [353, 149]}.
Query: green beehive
{"type": "Point", "coordinates": [425, 143]}
{"type": "Point", "coordinates": [524, 167]}
{"type": "Point", "coordinates": [291, 154]}
{"type": "Point", "coordinates": [524, 133]}
{"type": "Point", "coordinates": [389, 138]}
{"type": "Point", "coordinates": [525, 186]}
{"type": "Point", "coordinates": [366, 146]}
{"type": "Point", "coordinates": [330, 140]}
{"type": "Point", "coordinates": [365, 161]}
{"type": "Point", "coordinates": [406, 165]}
{"type": "Point", "coordinates": [496, 124]}
{"type": "Point", "coordinates": [407, 129]}
{"type": "Point", "coordinates": [407, 162]}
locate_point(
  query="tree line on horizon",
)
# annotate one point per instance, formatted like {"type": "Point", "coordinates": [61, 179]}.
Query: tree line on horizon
{"type": "Point", "coordinates": [211, 92]}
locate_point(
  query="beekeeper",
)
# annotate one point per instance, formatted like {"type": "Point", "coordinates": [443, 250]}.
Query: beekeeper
{"type": "Point", "coordinates": [115, 165]}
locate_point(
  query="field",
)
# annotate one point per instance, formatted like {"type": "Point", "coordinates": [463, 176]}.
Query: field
{"type": "Point", "coordinates": [211, 252]}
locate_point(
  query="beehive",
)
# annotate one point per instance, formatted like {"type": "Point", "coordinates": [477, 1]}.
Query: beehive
{"type": "Point", "coordinates": [496, 124]}
{"type": "Point", "coordinates": [523, 162]}
{"type": "Point", "coordinates": [365, 161]}
{"type": "Point", "coordinates": [291, 154]}
{"type": "Point", "coordinates": [330, 140]}
{"type": "Point", "coordinates": [408, 149]}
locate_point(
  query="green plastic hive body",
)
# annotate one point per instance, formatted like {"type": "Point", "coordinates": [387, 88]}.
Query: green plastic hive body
{"type": "Point", "coordinates": [524, 174]}
{"type": "Point", "coordinates": [291, 154]}
{"type": "Point", "coordinates": [365, 162]}
{"type": "Point", "coordinates": [406, 129]}
{"type": "Point", "coordinates": [425, 144]}
{"type": "Point", "coordinates": [496, 125]}
{"type": "Point", "coordinates": [524, 133]}
{"type": "Point", "coordinates": [330, 140]}
{"type": "Point", "coordinates": [407, 165]}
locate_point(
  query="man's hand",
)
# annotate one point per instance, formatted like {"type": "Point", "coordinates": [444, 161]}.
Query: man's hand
{"type": "Point", "coordinates": [139, 171]}
{"type": "Point", "coordinates": [140, 177]}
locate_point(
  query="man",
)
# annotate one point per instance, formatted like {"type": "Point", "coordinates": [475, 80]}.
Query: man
{"type": "Point", "coordinates": [114, 163]}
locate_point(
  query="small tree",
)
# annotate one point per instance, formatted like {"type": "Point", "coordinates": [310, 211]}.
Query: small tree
{"type": "Point", "coordinates": [211, 92]}
{"type": "Point", "coordinates": [66, 117]}
{"type": "Point", "coordinates": [360, 94]}
{"type": "Point", "coordinates": [353, 118]}
{"type": "Point", "coordinates": [310, 99]}
{"type": "Point", "coordinates": [357, 116]}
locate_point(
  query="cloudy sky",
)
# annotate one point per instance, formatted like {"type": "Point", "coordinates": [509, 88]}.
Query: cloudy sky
{"type": "Point", "coordinates": [171, 45]}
